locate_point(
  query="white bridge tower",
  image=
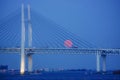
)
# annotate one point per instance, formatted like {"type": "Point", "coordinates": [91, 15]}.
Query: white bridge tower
{"type": "Point", "coordinates": [29, 55]}
{"type": "Point", "coordinates": [22, 66]}
{"type": "Point", "coordinates": [29, 40]}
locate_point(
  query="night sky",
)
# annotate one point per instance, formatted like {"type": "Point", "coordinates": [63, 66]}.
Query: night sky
{"type": "Point", "coordinates": [96, 21]}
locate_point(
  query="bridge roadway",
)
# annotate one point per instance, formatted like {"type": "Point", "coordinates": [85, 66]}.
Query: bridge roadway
{"type": "Point", "coordinates": [30, 51]}
{"type": "Point", "coordinates": [62, 51]}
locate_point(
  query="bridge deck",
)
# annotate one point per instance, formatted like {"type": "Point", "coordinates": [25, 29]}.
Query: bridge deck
{"type": "Point", "coordinates": [62, 51]}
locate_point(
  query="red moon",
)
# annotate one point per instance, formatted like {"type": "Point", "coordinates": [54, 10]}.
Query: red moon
{"type": "Point", "coordinates": [68, 43]}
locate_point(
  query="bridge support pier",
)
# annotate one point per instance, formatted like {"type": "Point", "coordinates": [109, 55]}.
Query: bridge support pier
{"type": "Point", "coordinates": [103, 62]}
{"type": "Point", "coordinates": [22, 65]}
{"type": "Point", "coordinates": [29, 63]}
{"type": "Point", "coordinates": [98, 62]}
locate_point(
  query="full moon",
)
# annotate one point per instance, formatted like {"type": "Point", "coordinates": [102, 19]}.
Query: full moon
{"type": "Point", "coordinates": [68, 43]}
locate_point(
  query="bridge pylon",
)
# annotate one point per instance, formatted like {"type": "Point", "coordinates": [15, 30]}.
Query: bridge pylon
{"type": "Point", "coordinates": [29, 55]}
{"type": "Point", "coordinates": [29, 40]}
{"type": "Point", "coordinates": [22, 66]}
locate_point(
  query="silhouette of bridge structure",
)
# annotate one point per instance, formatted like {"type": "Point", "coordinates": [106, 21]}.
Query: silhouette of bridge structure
{"type": "Point", "coordinates": [40, 35]}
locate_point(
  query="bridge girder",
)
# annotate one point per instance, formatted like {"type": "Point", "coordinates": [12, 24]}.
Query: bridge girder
{"type": "Point", "coordinates": [29, 51]}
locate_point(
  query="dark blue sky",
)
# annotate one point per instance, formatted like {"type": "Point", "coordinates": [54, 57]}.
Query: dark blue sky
{"type": "Point", "coordinates": [97, 21]}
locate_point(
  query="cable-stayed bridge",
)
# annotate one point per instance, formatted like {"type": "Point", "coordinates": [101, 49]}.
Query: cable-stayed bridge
{"type": "Point", "coordinates": [28, 33]}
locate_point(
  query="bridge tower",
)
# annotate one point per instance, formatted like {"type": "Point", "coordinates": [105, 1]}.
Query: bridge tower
{"type": "Point", "coordinates": [22, 65]}
{"type": "Point", "coordinates": [29, 40]}
{"type": "Point", "coordinates": [29, 55]}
